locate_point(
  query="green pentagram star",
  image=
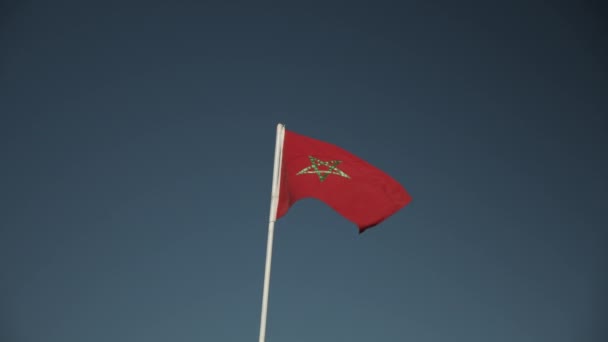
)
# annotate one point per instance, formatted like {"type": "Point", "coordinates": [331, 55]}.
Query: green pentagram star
{"type": "Point", "coordinates": [332, 168]}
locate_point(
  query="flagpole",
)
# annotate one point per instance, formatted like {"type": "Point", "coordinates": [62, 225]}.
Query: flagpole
{"type": "Point", "coordinates": [274, 203]}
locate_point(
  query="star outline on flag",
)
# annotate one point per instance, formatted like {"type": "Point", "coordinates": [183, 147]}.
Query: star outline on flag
{"type": "Point", "coordinates": [332, 166]}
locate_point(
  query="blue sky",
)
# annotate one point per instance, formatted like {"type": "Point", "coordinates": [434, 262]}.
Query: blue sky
{"type": "Point", "coordinates": [137, 143]}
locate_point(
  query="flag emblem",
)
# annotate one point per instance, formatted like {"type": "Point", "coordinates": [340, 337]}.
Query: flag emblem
{"type": "Point", "coordinates": [315, 168]}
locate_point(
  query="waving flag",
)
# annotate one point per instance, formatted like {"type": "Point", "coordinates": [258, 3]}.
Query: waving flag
{"type": "Point", "coordinates": [355, 189]}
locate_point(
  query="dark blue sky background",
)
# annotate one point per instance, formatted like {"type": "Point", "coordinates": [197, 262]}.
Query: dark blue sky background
{"type": "Point", "coordinates": [137, 141]}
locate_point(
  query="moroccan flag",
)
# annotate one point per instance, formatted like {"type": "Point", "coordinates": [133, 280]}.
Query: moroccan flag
{"type": "Point", "coordinates": [355, 189]}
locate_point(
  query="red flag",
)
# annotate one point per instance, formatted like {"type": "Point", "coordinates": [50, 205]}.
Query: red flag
{"type": "Point", "coordinates": [360, 192]}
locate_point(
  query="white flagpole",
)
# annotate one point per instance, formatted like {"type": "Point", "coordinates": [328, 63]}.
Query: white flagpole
{"type": "Point", "coordinates": [274, 203]}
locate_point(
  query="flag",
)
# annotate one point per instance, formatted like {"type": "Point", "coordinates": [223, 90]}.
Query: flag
{"type": "Point", "coordinates": [360, 192]}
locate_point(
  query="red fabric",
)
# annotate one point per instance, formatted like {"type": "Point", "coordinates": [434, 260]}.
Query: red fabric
{"type": "Point", "coordinates": [367, 197]}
